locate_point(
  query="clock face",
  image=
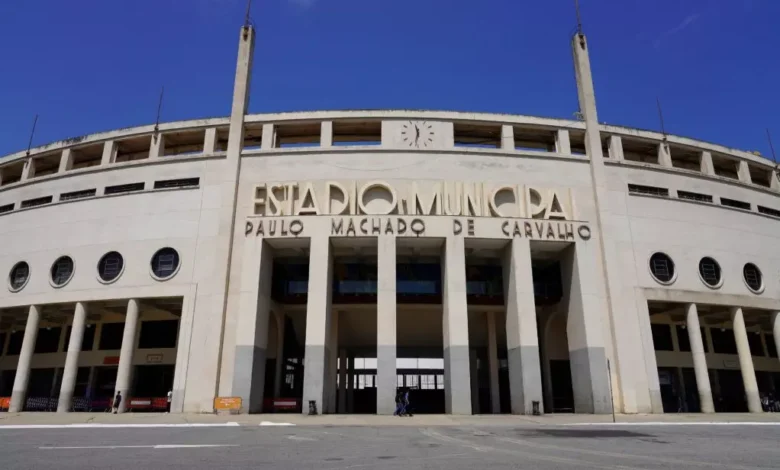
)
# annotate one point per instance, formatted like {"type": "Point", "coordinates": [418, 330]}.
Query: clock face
{"type": "Point", "coordinates": [417, 134]}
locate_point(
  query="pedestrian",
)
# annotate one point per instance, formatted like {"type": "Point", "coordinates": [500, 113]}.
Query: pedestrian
{"type": "Point", "coordinates": [398, 403]}
{"type": "Point", "coordinates": [407, 409]}
{"type": "Point", "coordinates": [117, 402]}
{"type": "Point", "coordinates": [168, 404]}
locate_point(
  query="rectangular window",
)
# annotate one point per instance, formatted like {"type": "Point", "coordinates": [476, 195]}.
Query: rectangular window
{"type": "Point", "coordinates": [694, 196]}
{"type": "Point", "coordinates": [87, 341]}
{"type": "Point", "coordinates": [158, 334]}
{"type": "Point", "coordinates": [78, 194]}
{"type": "Point", "coordinates": [38, 201]}
{"type": "Point", "coordinates": [124, 188]}
{"type": "Point", "coordinates": [179, 183]}
{"type": "Point", "coordinates": [683, 341]}
{"type": "Point", "coordinates": [723, 341]}
{"type": "Point", "coordinates": [734, 203]}
{"type": "Point", "coordinates": [465, 135]}
{"type": "Point", "coordinates": [440, 382]}
{"type": "Point", "coordinates": [647, 190]}
{"type": "Point", "coordinates": [6, 208]}
{"type": "Point", "coordinates": [662, 336]}
{"type": "Point", "coordinates": [761, 209]}
{"type": "Point", "coordinates": [48, 340]}
{"type": "Point", "coordinates": [15, 343]}
{"type": "Point", "coordinates": [111, 336]}
{"type": "Point", "coordinates": [754, 340]}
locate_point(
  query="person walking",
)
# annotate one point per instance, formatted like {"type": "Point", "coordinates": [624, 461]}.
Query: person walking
{"type": "Point", "coordinates": [117, 402]}
{"type": "Point", "coordinates": [168, 404]}
{"type": "Point", "coordinates": [406, 408]}
{"type": "Point", "coordinates": [398, 403]}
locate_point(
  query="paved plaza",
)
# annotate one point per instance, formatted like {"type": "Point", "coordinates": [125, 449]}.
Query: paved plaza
{"type": "Point", "coordinates": [424, 442]}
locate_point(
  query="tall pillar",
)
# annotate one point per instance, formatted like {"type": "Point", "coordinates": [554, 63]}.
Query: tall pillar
{"type": "Point", "coordinates": [585, 305]}
{"type": "Point", "coordinates": [776, 331]}
{"type": "Point", "coordinates": [278, 373]}
{"type": "Point", "coordinates": [72, 359]}
{"type": "Point", "coordinates": [333, 358]}
{"type": "Point", "coordinates": [746, 361]}
{"type": "Point", "coordinates": [457, 388]}
{"type": "Point", "coordinates": [125, 369]}
{"type": "Point", "coordinates": [386, 326]}
{"type": "Point", "coordinates": [343, 381]}
{"type": "Point", "coordinates": [252, 327]}
{"type": "Point", "coordinates": [318, 309]}
{"type": "Point", "coordinates": [350, 383]}
{"type": "Point", "coordinates": [522, 339]}
{"type": "Point", "coordinates": [19, 392]}
{"type": "Point", "coordinates": [495, 396]}
{"type": "Point", "coordinates": [699, 359]}
{"type": "Point", "coordinates": [474, 376]}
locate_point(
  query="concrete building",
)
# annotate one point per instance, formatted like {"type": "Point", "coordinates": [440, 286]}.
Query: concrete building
{"type": "Point", "coordinates": [492, 263]}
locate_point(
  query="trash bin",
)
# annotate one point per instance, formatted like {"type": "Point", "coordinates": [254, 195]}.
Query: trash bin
{"type": "Point", "coordinates": [536, 411]}
{"type": "Point", "coordinates": [312, 407]}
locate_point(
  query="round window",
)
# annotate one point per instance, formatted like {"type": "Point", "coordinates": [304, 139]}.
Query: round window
{"type": "Point", "coordinates": [165, 263]}
{"type": "Point", "coordinates": [753, 278]}
{"type": "Point", "coordinates": [110, 266]}
{"type": "Point", "coordinates": [662, 268]}
{"type": "Point", "coordinates": [62, 271]}
{"type": "Point", "coordinates": [19, 276]}
{"type": "Point", "coordinates": [710, 272]}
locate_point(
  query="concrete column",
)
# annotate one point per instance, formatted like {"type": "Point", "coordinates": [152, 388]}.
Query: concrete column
{"type": "Point", "coordinates": [326, 134]}
{"type": "Point", "coordinates": [474, 376]}
{"type": "Point", "coordinates": [522, 340]}
{"type": "Point", "coordinates": [457, 388]}
{"type": "Point", "coordinates": [699, 359]}
{"type": "Point", "coordinates": [507, 137]}
{"type": "Point", "coordinates": [386, 325]}
{"type": "Point", "coordinates": [648, 352]}
{"type": "Point", "coordinates": [616, 148]}
{"type": "Point", "coordinates": [776, 330]}
{"type": "Point", "coordinates": [125, 370]}
{"type": "Point", "coordinates": [350, 383]}
{"type": "Point", "coordinates": [19, 392]}
{"type": "Point", "coordinates": [210, 141]}
{"type": "Point", "coordinates": [252, 326]}
{"type": "Point", "coordinates": [707, 167]}
{"type": "Point", "coordinates": [72, 359]}
{"type": "Point", "coordinates": [279, 372]}
{"type": "Point", "coordinates": [66, 160]}
{"type": "Point", "coordinates": [269, 137]}
{"type": "Point", "coordinates": [585, 309]}
{"type": "Point", "coordinates": [495, 397]}
{"type": "Point", "coordinates": [343, 381]}
{"type": "Point", "coordinates": [664, 155]}
{"type": "Point", "coordinates": [157, 147]}
{"type": "Point", "coordinates": [28, 171]}
{"type": "Point", "coordinates": [109, 153]}
{"type": "Point", "coordinates": [774, 182]}
{"type": "Point", "coordinates": [743, 172]}
{"type": "Point", "coordinates": [562, 142]}
{"type": "Point", "coordinates": [333, 357]}
{"type": "Point", "coordinates": [745, 361]}
{"type": "Point", "coordinates": [318, 309]}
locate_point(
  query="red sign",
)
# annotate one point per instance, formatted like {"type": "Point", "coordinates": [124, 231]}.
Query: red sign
{"type": "Point", "coordinates": [110, 360]}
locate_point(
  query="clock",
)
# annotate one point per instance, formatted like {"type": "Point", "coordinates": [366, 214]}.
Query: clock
{"type": "Point", "coordinates": [417, 134]}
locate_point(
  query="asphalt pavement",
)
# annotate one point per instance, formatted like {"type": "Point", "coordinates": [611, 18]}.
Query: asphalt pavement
{"type": "Point", "coordinates": [600, 446]}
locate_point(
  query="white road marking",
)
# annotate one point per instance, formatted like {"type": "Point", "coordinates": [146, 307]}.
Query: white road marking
{"type": "Point", "coordinates": [271, 423]}
{"type": "Point", "coordinates": [117, 426]}
{"type": "Point", "coordinates": [299, 438]}
{"type": "Point", "coordinates": [158, 446]}
{"type": "Point", "coordinates": [661, 423]}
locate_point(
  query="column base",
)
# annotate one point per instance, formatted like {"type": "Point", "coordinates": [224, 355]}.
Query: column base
{"type": "Point", "coordinates": [64, 403]}
{"type": "Point", "coordinates": [525, 380]}
{"type": "Point", "coordinates": [590, 381]}
{"type": "Point", "coordinates": [458, 387]}
{"type": "Point", "coordinates": [17, 401]}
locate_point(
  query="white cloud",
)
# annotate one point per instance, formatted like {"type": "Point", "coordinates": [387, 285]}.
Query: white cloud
{"type": "Point", "coordinates": [689, 20]}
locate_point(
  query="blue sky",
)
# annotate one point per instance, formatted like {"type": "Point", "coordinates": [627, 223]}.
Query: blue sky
{"type": "Point", "coordinates": [91, 65]}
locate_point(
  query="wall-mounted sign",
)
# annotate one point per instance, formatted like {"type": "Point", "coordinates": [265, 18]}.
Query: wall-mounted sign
{"type": "Point", "coordinates": [154, 358]}
{"type": "Point", "coordinates": [411, 198]}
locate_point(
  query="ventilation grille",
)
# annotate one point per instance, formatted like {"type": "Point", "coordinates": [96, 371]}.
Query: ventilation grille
{"type": "Point", "coordinates": [647, 190]}
{"type": "Point", "coordinates": [734, 203]}
{"type": "Point", "coordinates": [124, 188]}
{"type": "Point", "coordinates": [78, 194]}
{"type": "Point", "coordinates": [6, 208]}
{"type": "Point", "coordinates": [39, 201]}
{"type": "Point", "coordinates": [694, 196]}
{"type": "Point", "coordinates": [769, 211]}
{"type": "Point", "coordinates": [179, 183]}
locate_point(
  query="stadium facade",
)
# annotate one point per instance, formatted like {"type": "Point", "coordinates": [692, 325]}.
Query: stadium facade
{"type": "Point", "coordinates": [492, 263]}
